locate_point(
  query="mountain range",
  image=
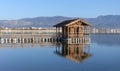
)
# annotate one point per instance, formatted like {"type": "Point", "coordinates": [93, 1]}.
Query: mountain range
{"type": "Point", "coordinates": [107, 21]}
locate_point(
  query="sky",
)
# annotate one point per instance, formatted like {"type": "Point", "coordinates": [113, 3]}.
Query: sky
{"type": "Point", "coordinates": [17, 9]}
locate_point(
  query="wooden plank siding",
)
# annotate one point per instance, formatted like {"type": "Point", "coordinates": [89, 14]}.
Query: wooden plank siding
{"type": "Point", "coordinates": [74, 30]}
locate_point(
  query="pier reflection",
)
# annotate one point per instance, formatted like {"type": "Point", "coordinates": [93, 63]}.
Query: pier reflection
{"type": "Point", "coordinates": [77, 52]}
{"type": "Point", "coordinates": [23, 44]}
{"type": "Point", "coordinates": [74, 52]}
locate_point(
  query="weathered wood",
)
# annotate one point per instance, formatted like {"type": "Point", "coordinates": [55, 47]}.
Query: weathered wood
{"type": "Point", "coordinates": [73, 30]}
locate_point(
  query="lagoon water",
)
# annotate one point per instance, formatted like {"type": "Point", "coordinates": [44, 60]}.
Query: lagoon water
{"type": "Point", "coordinates": [104, 56]}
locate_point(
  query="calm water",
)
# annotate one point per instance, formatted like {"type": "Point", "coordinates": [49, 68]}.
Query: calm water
{"type": "Point", "coordinates": [103, 55]}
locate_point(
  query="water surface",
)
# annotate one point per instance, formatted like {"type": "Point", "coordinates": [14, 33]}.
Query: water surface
{"type": "Point", "coordinates": [103, 56]}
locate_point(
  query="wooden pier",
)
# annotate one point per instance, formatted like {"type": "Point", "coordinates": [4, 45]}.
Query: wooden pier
{"type": "Point", "coordinates": [37, 36]}
{"type": "Point", "coordinates": [76, 31]}
{"type": "Point", "coordinates": [28, 35]}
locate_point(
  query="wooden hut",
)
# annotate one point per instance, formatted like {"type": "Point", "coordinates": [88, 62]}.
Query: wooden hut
{"type": "Point", "coordinates": [74, 31]}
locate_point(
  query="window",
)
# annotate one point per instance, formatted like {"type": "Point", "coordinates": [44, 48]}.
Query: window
{"type": "Point", "coordinates": [76, 30]}
{"type": "Point", "coordinates": [69, 29]}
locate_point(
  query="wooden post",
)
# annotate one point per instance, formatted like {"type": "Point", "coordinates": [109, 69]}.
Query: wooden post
{"type": "Point", "coordinates": [68, 34]}
{"type": "Point", "coordinates": [0, 36]}
{"type": "Point", "coordinates": [68, 49]}
{"type": "Point", "coordinates": [56, 34]}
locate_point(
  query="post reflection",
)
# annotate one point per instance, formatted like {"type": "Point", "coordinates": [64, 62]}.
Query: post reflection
{"type": "Point", "coordinates": [24, 44]}
{"type": "Point", "coordinates": [74, 52]}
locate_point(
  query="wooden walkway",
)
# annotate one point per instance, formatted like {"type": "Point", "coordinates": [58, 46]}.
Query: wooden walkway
{"type": "Point", "coordinates": [36, 36]}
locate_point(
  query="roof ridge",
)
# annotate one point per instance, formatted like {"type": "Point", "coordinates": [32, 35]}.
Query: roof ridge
{"type": "Point", "coordinates": [70, 21]}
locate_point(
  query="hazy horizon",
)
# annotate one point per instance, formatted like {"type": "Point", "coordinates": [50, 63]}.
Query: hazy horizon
{"type": "Point", "coordinates": [58, 16]}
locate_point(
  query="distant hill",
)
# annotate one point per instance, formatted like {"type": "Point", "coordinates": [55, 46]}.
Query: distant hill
{"type": "Point", "coordinates": [108, 21]}
{"type": "Point", "coordinates": [33, 22]}
{"type": "Point", "coordinates": [45, 21]}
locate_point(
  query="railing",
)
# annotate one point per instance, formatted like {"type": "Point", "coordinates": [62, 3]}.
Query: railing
{"type": "Point", "coordinates": [83, 40]}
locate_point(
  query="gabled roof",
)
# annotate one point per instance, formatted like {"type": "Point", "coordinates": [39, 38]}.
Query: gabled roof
{"type": "Point", "coordinates": [68, 22]}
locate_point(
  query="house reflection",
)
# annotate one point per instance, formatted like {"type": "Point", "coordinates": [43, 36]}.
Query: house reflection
{"type": "Point", "coordinates": [74, 52]}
